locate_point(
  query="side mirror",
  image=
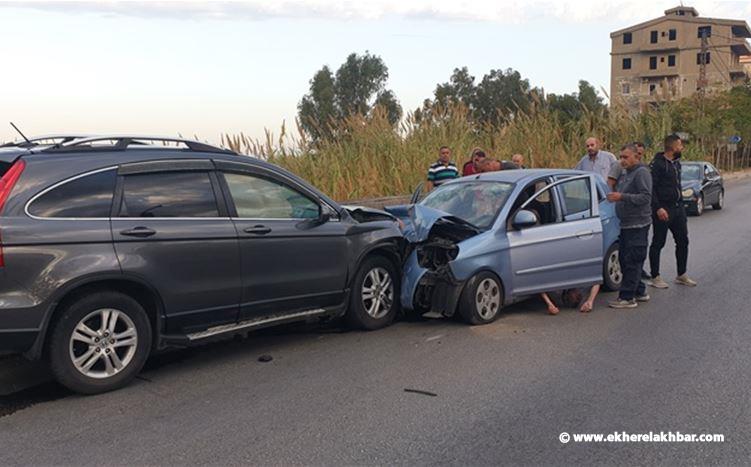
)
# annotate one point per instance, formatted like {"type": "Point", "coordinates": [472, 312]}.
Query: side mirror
{"type": "Point", "coordinates": [524, 219]}
{"type": "Point", "coordinates": [324, 216]}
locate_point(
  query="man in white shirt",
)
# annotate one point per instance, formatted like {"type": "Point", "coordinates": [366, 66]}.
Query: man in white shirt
{"type": "Point", "coordinates": [596, 160]}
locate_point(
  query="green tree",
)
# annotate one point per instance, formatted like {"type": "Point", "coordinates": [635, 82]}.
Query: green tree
{"type": "Point", "coordinates": [496, 99]}
{"type": "Point", "coordinates": [317, 110]}
{"type": "Point", "coordinates": [501, 95]}
{"type": "Point", "coordinates": [572, 107]}
{"type": "Point", "coordinates": [357, 88]}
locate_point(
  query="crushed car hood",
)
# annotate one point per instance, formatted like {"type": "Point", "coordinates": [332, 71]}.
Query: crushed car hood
{"type": "Point", "coordinates": [422, 222]}
{"type": "Point", "coordinates": [365, 214]}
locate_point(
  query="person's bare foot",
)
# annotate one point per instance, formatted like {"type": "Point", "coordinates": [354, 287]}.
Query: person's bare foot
{"type": "Point", "coordinates": [586, 307]}
{"type": "Point", "coordinates": [553, 310]}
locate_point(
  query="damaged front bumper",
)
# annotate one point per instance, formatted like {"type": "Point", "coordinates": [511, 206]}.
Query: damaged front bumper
{"type": "Point", "coordinates": [429, 284]}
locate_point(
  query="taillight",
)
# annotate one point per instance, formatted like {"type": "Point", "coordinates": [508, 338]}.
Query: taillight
{"type": "Point", "coordinates": [6, 186]}
{"type": "Point", "coordinates": [9, 179]}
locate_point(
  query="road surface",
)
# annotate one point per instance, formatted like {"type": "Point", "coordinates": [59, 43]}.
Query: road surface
{"type": "Point", "coordinates": [494, 394]}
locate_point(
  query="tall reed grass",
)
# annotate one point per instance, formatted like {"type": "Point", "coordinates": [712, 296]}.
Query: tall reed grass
{"type": "Point", "coordinates": [371, 158]}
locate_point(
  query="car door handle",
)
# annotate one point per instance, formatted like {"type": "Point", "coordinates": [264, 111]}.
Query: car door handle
{"type": "Point", "coordinates": [257, 230]}
{"type": "Point", "coordinates": [584, 233]}
{"type": "Point", "coordinates": [138, 232]}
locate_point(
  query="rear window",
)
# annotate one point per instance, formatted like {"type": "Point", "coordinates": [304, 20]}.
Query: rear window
{"type": "Point", "coordinates": [83, 197]}
{"type": "Point", "coordinates": [4, 166]}
{"type": "Point", "coordinates": [168, 194]}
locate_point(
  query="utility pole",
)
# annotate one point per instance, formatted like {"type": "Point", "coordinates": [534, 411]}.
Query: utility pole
{"type": "Point", "coordinates": [702, 82]}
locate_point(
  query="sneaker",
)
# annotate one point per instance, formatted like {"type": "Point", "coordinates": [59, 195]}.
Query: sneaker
{"type": "Point", "coordinates": [685, 280]}
{"type": "Point", "coordinates": [620, 303]}
{"type": "Point", "coordinates": [658, 283]}
{"type": "Point", "coordinates": [642, 298]}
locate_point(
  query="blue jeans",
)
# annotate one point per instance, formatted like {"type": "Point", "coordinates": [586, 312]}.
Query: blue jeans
{"type": "Point", "coordinates": [632, 251]}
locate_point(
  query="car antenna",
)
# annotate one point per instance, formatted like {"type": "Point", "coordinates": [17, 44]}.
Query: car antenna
{"type": "Point", "coordinates": [20, 133]}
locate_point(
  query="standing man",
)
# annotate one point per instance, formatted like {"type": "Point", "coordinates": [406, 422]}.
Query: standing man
{"type": "Point", "coordinates": [518, 159]}
{"type": "Point", "coordinates": [596, 160]}
{"type": "Point", "coordinates": [633, 198]}
{"type": "Point", "coordinates": [669, 212]}
{"type": "Point", "coordinates": [443, 169]}
{"type": "Point", "coordinates": [616, 170]}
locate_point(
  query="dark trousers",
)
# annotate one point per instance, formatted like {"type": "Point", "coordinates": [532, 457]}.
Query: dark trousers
{"type": "Point", "coordinates": [678, 226]}
{"type": "Point", "coordinates": [632, 251]}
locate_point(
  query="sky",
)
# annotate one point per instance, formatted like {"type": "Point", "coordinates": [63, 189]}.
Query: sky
{"type": "Point", "coordinates": [207, 68]}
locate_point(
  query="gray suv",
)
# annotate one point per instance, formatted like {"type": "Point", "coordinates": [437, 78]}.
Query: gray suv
{"type": "Point", "coordinates": [112, 248]}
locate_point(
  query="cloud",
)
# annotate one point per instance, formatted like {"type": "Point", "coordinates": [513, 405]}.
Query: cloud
{"type": "Point", "coordinates": [498, 11]}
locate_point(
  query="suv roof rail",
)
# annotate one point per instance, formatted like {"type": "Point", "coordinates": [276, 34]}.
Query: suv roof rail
{"type": "Point", "coordinates": [39, 140]}
{"type": "Point", "coordinates": [121, 143]}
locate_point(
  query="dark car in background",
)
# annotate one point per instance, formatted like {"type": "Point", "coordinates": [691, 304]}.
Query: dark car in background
{"type": "Point", "coordinates": [114, 247]}
{"type": "Point", "coordinates": [702, 186]}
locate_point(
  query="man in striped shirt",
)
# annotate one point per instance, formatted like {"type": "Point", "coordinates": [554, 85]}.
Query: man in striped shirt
{"type": "Point", "coordinates": [443, 169]}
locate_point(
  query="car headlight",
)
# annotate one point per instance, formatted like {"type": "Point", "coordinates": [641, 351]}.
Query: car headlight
{"type": "Point", "coordinates": [688, 193]}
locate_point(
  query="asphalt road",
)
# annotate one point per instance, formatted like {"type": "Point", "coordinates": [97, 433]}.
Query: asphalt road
{"type": "Point", "coordinates": [494, 394]}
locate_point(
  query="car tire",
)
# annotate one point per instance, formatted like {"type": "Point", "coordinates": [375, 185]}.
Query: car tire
{"type": "Point", "coordinates": [374, 299]}
{"type": "Point", "coordinates": [482, 299]}
{"type": "Point", "coordinates": [611, 268]}
{"type": "Point", "coordinates": [99, 343]}
{"type": "Point", "coordinates": [699, 209]}
{"type": "Point", "coordinates": [720, 201]}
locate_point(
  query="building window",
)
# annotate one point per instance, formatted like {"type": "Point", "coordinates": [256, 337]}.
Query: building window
{"type": "Point", "coordinates": [672, 34]}
{"type": "Point", "coordinates": [671, 60]}
{"type": "Point", "coordinates": [653, 37]}
{"type": "Point", "coordinates": [699, 57]}
{"type": "Point", "coordinates": [705, 31]}
{"type": "Point", "coordinates": [652, 63]}
{"type": "Point", "coordinates": [625, 88]}
{"type": "Point", "coordinates": [652, 88]}
{"type": "Point", "coordinates": [626, 63]}
{"type": "Point", "coordinates": [627, 38]}
{"type": "Point", "coordinates": [662, 59]}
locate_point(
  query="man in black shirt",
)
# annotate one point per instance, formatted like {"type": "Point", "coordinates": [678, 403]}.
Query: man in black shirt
{"type": "Point", "coordinates": [668, 212]}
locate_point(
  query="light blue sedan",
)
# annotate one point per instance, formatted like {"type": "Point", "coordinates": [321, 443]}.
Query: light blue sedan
{"type": "Point", "coordinates": [484, 241]}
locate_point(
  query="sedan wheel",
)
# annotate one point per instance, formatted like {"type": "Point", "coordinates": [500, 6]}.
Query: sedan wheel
{"type": "Point", "coordinates": [720, 201]}
{"type": "Point", "coordinates": [699, 205]}
{"type": "Point", "coordinates": [482, 299]}
{"type": "Point", "coordinates": [488, 299]}
{"type": "Point", "coordinates": [612, 274]}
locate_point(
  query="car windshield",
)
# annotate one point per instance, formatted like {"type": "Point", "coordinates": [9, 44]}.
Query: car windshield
{"type": "Point", "coordinates": [477, 202]}
{"type": "Point", "coordinates": [691, 172]}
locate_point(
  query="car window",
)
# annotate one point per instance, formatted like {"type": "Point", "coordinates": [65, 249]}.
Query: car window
{"type": "Point", "coordinates": [168, 194]}
{"type": "Point", "coordinates": [83, 197]}
{"type": "Point", "coordinates": [542, 205]}
{"type": "Point", "coordinates": [576, 196]}
{"type": "Point", "coordinates": [261, 198]}
{"type": "Point", "coordinates": [477, 202]}
{"type": "Point", "coordinates": [691, 172]}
